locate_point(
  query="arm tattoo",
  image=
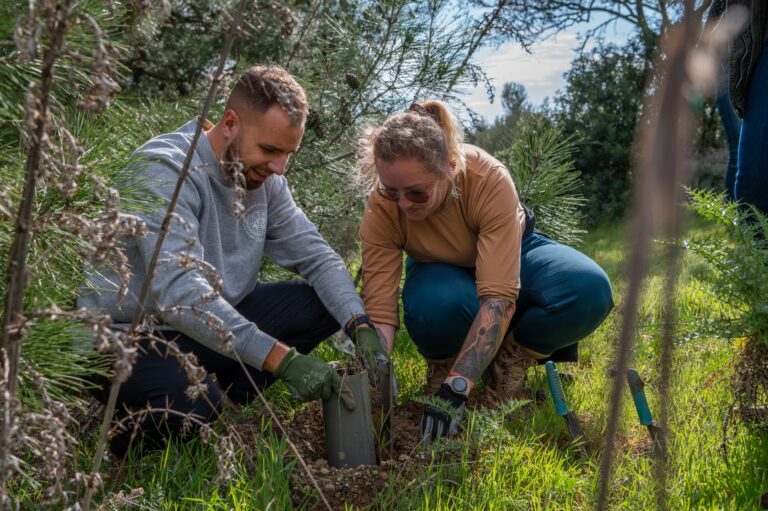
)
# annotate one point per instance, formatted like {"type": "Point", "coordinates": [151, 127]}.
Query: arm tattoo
{"type": "Point", "coordinates": [484, 337]}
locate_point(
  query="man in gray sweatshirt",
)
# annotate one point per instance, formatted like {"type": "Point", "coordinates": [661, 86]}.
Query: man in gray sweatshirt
{"type": "Point", "coordinates": [270, 326]}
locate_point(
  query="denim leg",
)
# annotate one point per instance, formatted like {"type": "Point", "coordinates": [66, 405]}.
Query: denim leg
{"type": "Point", "coordinates": [732, 127]}
{"type": "Point", "coordinates": [564, 296]}
{"type": "Point", "coordinates": [439, 304]}
{"type": "Point", "coordinates": [752, 176]}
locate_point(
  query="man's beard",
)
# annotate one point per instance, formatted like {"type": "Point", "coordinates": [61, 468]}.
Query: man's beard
{"type": "Point", "coordinates": [233, 166]}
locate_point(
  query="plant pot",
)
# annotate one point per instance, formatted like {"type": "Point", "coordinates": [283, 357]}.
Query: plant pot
{"type": "Point", "coordinates": [349, 438]}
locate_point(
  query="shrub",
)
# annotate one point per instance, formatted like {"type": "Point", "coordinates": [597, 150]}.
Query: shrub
{"type": "Point", "coordinates": [543, 171]}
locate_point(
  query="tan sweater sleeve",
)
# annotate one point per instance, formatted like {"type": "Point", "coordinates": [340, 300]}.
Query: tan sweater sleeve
{"type": "Point", "coordinates": [382, 243]}
{"type": "Point", "coordinates": [500, 222]}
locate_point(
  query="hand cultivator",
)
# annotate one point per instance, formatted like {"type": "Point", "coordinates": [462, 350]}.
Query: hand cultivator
{"type": "Point", "coordinates": [561, 405]}
{"type": "Point", "coordinates": [637, 388]}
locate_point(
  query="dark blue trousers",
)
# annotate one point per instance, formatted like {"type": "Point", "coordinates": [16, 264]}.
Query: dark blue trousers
{"type": "Point", "coordinates": [752, 175]}
{"type": "Point", "coordinates": [564, 296]}
{"type": "Point", "coordinates": [732, 128]}
{"type": "Point", "coordinates": [289, 311]}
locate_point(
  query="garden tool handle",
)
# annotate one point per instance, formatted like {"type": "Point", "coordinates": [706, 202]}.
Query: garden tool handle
{"type": "Point", "coordinates": [556, 389]}
{"type": "Point", "coordinates": [637, 388]}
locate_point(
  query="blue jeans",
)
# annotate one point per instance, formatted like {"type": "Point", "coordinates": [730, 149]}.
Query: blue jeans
{"type": "Point", "coordinates": [731, 126]}
{"type": "Point", "coordinates": [752, 175]}
{"type": "Point", "coordinates": [564, 296]}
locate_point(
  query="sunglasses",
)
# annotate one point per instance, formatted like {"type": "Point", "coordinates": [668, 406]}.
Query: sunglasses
{"type": "Point", "coordinates": [415, 196]}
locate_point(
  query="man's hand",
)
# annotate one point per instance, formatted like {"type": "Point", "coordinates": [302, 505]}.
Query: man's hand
{"type": "Point", "coordinates": [370, 349]}
{"type": "Point", "coordinates": [309, 378]}
{"type": "Point", "coordinates": [438, 422]}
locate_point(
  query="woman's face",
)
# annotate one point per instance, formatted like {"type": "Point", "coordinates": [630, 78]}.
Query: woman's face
{"type": "Point", "coordinates": [417, 191]}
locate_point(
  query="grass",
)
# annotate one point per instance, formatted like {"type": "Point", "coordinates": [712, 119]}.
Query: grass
{"type": "Point", "coordinates": [522, 459]}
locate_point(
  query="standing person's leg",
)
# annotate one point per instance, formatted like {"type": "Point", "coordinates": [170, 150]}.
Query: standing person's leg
{"type": "Point", "coordinates": [732, 128]}
{"type": "Point", "coordinates": [752, 175]}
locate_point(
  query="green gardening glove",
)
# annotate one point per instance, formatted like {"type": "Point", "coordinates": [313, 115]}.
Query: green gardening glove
{"type": "Point", "coordinates": [370, 347]}
{"type": "Point", "coordinates": [309, 378]}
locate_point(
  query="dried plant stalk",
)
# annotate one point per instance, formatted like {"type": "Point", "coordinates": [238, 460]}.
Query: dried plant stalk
{"type": "Point", "coordinates": [37, 124]}
{"type": "Point", "coordinates": [134, 331]}
{"type": "Point", "coordinates": [663, 138]}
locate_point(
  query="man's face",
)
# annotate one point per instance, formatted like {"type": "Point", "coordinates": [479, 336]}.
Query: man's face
{"type": "Point", "coordinates": [263, 145]}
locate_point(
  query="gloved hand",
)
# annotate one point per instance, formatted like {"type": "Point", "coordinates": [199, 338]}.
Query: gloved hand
{"type": "Point", "coordinates": [309, 378]}
{"type": "Point", "coordinates": [438, 422]}
{"type": "Point", "coordinates": [370, 346]}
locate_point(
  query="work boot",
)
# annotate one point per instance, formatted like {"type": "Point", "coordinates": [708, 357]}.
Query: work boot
{"type": "Point", "coordinates": [437, 372]}
{"type": "Point", "coordinates": [507, 369]}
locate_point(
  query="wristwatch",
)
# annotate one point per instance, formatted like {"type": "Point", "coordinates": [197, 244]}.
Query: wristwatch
{"type": "Point", "coordinates": [356, 322]}
{"type": "Point", "coordinates": [458, 384]}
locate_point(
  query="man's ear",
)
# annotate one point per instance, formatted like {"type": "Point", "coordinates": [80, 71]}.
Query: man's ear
{"type": "Point", "coordinates": [230, 124]}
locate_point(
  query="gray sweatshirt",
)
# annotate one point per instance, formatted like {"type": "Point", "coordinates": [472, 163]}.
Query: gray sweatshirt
{"type": "Point", "coordinates": [207, 230]}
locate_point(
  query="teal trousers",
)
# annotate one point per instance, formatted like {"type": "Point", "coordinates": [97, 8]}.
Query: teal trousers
{"type": "Point", "coordinates": [564, 296]}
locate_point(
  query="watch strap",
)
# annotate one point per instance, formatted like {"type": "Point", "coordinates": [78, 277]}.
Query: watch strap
{"type": "Point", "coordinates": [449, 381]}
{"type": "Point", "coordinates": [355, 323]}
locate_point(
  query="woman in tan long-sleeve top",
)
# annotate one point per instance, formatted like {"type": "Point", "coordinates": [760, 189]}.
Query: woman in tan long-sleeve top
{"type": "Point", "coordinates": [484, 291]}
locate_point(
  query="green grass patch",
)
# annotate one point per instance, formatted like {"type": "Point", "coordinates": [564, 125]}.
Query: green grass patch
{"type": "Point", "coordinates": [523, 458]}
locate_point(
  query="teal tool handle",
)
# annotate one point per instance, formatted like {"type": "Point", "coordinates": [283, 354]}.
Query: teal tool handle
{"type": "Point", "coordinates": [637, 388]}
{"type": "Point", "coordinates": [556, 389]}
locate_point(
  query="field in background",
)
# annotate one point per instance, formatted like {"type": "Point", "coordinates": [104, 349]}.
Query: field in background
{"type": "Point", "coordinates": [522, 459]}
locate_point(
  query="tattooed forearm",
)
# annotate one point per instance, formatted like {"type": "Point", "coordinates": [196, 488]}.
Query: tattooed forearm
{"type": "Point", "coordinates": [484, 337]}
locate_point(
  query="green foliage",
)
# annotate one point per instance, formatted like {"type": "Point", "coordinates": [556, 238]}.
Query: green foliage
{"type": "Point", "coordinates": [600, 105]}
{"type": "Point", "coordinates": [738, 256]}
{"type": "Point", "coordinates": [542, 168]}
{"type": "Point", "coordinates": [519, 117]}
{"type": "Point", "coordinates": [358, 62]}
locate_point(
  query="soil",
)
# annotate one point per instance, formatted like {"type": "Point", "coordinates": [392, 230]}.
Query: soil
{"type": "Point", "coordinates": [359, 487]}
{"type": "Point", "coordinates": [401, 466]}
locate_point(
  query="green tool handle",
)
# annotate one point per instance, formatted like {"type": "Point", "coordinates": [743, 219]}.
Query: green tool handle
{"type": "Point", "coordinates": [556, 389]}
{"type": "Point", "coordinates": [637, 388]}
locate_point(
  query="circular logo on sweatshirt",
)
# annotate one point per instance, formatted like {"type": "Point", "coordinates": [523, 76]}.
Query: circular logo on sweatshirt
{"type": "Point", "coordinates": [255, 221]}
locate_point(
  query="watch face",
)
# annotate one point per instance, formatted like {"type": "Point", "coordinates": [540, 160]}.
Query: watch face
{"type": "Point", "coordinates": [459, 384]}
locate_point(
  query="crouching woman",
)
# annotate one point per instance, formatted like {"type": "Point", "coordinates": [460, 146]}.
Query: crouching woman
{"type": "Point", "coordinates": [484, 292]}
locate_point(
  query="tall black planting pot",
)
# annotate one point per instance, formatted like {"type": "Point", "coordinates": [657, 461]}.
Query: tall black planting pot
{"type": "Point", "coordinates": [349, 434]}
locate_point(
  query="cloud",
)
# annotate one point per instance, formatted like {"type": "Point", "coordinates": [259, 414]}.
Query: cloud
{"type": "Point", "coordinates": [541, 71]}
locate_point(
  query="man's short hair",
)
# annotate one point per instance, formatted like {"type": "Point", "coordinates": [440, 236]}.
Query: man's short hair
{"type": "Point", "coordinates": [262, 87]}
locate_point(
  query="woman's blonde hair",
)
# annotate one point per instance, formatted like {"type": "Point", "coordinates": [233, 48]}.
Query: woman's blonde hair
{"type": "Point", "coordinates": [427, 131]}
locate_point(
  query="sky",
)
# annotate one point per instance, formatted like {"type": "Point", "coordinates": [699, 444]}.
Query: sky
{"type": "Point", "coordinates": [540, 71]}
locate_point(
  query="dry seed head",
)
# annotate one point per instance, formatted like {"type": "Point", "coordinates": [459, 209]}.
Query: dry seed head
{"type": "Point", "coordinates": [238, 177]}
{"type": "Point", "coordinates": [6, 207]}
{"type": "Point", "coordinates": [26, 34]}
{"type": "Point", "coordinates": [225, 458]}
{"type": "Point", "coordinates": [102, 83]}
{"type": "Point", "coordinates": [187, 261]}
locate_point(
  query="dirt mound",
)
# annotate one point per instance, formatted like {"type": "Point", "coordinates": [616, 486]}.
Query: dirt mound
{"type": "Point", "coordinates": [359, 487]}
